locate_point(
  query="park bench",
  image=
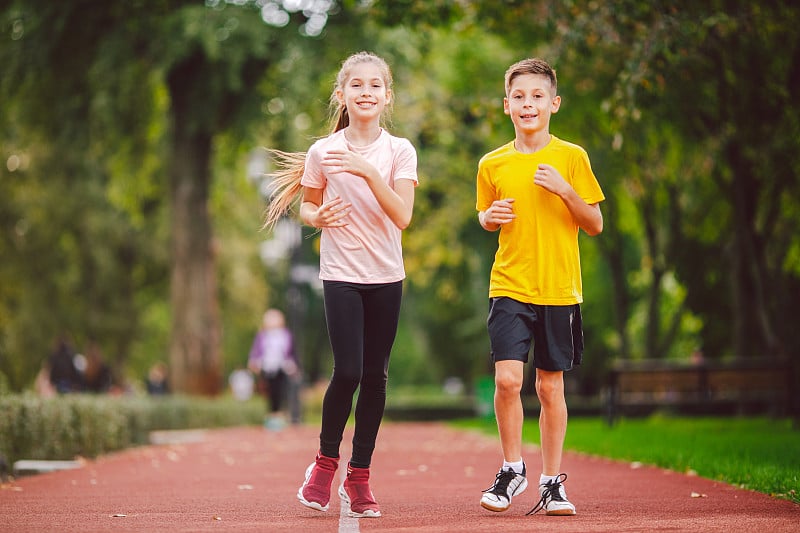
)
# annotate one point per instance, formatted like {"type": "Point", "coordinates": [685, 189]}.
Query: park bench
{"type": "Point", "coordinates": [739, 386]}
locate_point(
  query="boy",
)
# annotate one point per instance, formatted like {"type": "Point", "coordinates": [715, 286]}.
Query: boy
{"type": "Point", "coordinates": [538, 190]}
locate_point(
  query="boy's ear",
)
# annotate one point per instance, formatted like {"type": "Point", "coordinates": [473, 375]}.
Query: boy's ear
{"type": "Point", "coordinates": [505, 106]}
{"type": "Point", "coordinates": [556, 105]}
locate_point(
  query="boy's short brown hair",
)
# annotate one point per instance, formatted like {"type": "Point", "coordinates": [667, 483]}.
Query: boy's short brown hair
{"type": "Point", "coordinates": [532, 65]}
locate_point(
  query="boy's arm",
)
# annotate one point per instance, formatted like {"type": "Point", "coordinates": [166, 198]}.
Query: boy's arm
{"type": "Point", "coordinates": [587, 216]}
{"type": "Point", "coordinates": [499, 213]}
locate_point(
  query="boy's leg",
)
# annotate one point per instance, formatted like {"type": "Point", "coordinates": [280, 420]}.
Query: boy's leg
{"type": "Point", "coordinates": [508, 411]}
{"type": "Point", "coordinates": [508, 380]}
{"type": "Point", "coordinates": [558, 346]}
{"type": "Point", "coordinates": [510, 333]}
{"type": "Point", "coordinates": [552, 419]}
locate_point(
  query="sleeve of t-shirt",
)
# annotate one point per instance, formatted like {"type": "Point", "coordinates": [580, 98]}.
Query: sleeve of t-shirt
{"type": "Point", "coordinates": [585, 183]}
{"type": "Point", "coordinates": [313, 176]}
{"type": "Point", "coordinates": [485, 191]}
{"type": "Point", "coordinates": [406, 163]}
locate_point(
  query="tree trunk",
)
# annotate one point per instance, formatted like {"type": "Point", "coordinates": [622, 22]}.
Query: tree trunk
{"type": "Point", "coordinates": [657, 270]}
{"type": "Point", "coordinates": [753, 332]}
{"type": "Point", "coordinates": [612, 246]}
{"type": "Point", "coordinates": [195, 339]}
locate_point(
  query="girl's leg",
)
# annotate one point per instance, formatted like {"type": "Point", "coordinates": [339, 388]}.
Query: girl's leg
{"type": "Point", "coordinates": [381, 315]}
{"type": "Point", "coordinates": [344, 313]}
{"type": "Point", "coordinates": [275, 389]}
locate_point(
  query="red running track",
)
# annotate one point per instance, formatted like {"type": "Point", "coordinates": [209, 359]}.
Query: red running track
{"type": "Point", "coordinates": [427, 477]}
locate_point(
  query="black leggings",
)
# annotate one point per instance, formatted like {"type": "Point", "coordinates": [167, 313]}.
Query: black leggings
{"type": "Point", "coordinates": [276, 389]}
{"type": "Point", "coordinates": [362, 324]}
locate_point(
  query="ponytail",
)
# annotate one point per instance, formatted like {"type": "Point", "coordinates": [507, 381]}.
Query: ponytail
{"type": "Point", "coordinates": [339, 118]}
{"type": "Point", "coordinates": [285, 188]}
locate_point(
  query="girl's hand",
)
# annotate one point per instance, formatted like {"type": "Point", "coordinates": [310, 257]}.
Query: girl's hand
{"type": "Point", "coordinates": [347, 161]}
{"type": "Point", "coordinates": [332, 214]}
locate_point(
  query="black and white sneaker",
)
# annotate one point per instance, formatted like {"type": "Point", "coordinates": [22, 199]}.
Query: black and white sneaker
{"type": "Point", "coordinates": [507, 484]}
{"type": "Point", "coordinates": [553, 498]}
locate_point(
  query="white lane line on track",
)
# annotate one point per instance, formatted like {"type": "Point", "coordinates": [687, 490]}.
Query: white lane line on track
{"type": "Point", "coordinates": [347, 524]}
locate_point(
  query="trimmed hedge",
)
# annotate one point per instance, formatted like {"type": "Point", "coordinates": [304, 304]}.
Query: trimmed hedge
{"type": "Point", "coordinates": [79, 425]}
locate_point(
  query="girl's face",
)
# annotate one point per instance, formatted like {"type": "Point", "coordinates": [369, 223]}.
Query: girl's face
{"type": "Point", "coordinates": [530, 102]}
{"type": "Point", "coordinates": [273, 319]}
{"type": "Point", "coordinates": [364, 92]}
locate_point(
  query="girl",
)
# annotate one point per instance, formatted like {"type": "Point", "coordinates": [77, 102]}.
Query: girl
{"type": "Point", "coordinates": [273, 360]}
{"type": "Point", "coordinates": [358, 187]}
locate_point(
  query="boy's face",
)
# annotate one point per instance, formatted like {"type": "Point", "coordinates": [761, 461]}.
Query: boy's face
{"type": "Point", "coordinates": [530, 102]}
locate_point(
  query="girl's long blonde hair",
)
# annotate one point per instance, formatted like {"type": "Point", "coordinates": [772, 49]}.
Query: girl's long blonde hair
{"type": "Point", "coordinates": [285, 180]}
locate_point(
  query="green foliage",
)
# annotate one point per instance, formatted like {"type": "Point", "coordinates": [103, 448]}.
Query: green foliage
{"type": "Point", "coordinates": [677, 74]}
{"type": "Point", "coordinates": [81, 425]}
{"type": "Point", "coordinates": [85, 197]}
{"type": "Point", "coordinates": [447, 254]}
{"type": "Point", "coordinates": [701, 210]}
{"type": "Point", "coordinates": [85, 206]}
{"type": "Point", "coordinates": [761, 454]}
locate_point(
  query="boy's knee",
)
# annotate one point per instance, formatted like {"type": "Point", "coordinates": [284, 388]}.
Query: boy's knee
{"type": "Point", "coordinates": [549, 386]}
{"type": "Point", "coordinates": [508, 383]}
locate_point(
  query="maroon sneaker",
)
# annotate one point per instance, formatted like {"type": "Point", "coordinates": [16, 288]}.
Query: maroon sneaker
{"type": "Point", "coordinates": [356, 493]}
{"type": "Point", "coordinates": [316, 489]}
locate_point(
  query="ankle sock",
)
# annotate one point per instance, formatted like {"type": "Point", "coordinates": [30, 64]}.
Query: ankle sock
{"type": "Point", "coordinates": [516, 466]}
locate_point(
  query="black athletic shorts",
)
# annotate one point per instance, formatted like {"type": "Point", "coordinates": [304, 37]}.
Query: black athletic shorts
{"type": "Point", "coordinates": [556, 332]}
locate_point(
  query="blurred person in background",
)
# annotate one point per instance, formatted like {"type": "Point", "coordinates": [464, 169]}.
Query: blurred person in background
{"type": "Point", "coordinates": [273, 360]}
{"type": "Point", "coordinates": [64, 375]}
{"type": "Point", "coordinates": [97, 376]}
{"type": "Point", "coordinates": [157, 380]}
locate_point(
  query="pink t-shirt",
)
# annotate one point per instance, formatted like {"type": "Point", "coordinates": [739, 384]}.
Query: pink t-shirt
{"type": "Point", "coordinates": [368, 249]}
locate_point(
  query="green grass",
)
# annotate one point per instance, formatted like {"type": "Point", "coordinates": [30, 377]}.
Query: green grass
{"type": "Point", "coordinates": [761, 454]}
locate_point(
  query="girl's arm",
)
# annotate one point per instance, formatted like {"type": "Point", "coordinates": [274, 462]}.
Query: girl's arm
{"type": "Point", "coordinates": [255, 356]}
{"type": "Point", "coordinates": [316, 214]}
{"type": "Point", "coordinates": [397, 202]}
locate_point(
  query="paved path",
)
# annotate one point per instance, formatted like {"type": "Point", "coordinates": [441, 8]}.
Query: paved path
{"type": "Point", "coordinates": [427, 478]}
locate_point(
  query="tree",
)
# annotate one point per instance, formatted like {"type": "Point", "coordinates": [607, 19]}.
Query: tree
{"type": "Point", "coordinates": [692, 65]}
{"type": "Point", "coordinates": [206, 61]}
{"type": "Point", "coordinates": [73, 258]}
{"type": "Point", "coordinates": [726, 190]}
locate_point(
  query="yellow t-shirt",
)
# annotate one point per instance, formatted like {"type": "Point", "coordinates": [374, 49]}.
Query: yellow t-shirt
{"type": "Point", "coordinates": [537, 259]}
